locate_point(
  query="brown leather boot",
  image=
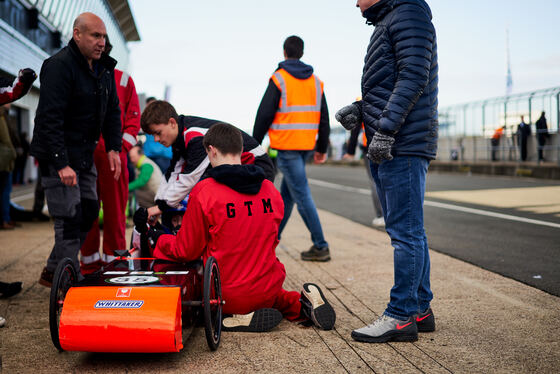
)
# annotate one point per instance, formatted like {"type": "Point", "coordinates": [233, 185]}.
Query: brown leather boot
{"type": "Point", "coordinates": [46, 278]}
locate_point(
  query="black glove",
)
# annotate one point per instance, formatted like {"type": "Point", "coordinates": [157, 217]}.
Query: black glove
{"type": "Point", "coordinates": [27, 76]}
{"type": "Point", "coordinates": [153, 235]}
{"type": "Point", "coordinates": [380, 147]}
{"type": "Point", "coordinates": [141, 220]}
{"type": "Point", "coordinates": [350, 116]}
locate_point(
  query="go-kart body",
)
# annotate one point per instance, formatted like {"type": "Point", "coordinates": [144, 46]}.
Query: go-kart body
{"type": "Point", "coordinates": [134, 305]}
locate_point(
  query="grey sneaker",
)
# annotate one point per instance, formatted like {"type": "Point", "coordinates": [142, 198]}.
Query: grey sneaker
{"type": "Point", "coordinates": [426, 321]}
{"type": "Point", "coordinates": [316, 254]}
{"type": "Point", "coordinates": [260, 320]}
{"type": "Point", "coordinates": [387, 329]}
{"type": "Point", "coordinates": [2, 321]}
{"type": "Point", "coordinates": [378, 222]}
{"type": "Point", "coordinates": [315, 306]}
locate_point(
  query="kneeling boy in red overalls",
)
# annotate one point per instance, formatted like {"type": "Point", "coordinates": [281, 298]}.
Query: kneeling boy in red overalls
{"type": "Point", "coordinates": [233, 215]}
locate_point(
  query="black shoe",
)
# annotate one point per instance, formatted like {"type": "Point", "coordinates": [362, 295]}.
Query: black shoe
{"type": "Point", "coordinates": [316, 254]}
{"type": "Point", "coordinates": [261, 320]}
{"type": "Point", "coordinates": [426, 321]}
{"type": "Point", "coordinates": [316, 308]}
{"type": "Point", "coordinates": [46, 278]}
{"type": "Point", "coordinates": [10, 289]}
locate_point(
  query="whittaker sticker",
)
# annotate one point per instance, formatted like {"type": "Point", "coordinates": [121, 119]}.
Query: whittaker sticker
{"type": "Point", "coordinates": [133, 279]}
{"type": "Point", "coordinates": [119, 304]}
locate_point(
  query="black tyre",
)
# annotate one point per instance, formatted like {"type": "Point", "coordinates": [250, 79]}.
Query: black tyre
{"type": "Point", "coordinates": [64, 277]}
{"type": "Point", "coordinates": [212, 303]}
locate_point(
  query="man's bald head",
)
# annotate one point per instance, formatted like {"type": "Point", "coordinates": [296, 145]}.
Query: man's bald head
{"type": "Point", "coordinates": [83, 20]}
{"type": "Point", "coordinates": [89, 33]}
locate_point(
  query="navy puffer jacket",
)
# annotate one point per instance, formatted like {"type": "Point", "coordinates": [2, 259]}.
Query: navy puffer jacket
{"type": "Point", "coordinates": [400, 78]}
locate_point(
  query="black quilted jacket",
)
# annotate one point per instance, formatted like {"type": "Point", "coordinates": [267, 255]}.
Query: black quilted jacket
{"type": "Point", "coordinates": [76, 105]}
{"type": "Point", "coordinates": [400, 78]}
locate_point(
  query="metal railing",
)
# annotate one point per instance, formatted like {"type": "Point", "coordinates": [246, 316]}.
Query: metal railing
{"type": "Point", "coordinates": [466, 129]}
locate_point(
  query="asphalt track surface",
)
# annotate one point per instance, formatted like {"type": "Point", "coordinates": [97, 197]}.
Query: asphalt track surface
{"type": "Point", "coordinates": [520, 242]}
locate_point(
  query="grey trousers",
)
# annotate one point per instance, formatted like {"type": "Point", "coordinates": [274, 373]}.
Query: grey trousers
{"type": "Point", "coordinates": [74, 210]}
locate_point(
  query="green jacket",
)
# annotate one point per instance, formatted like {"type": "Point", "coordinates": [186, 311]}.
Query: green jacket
{"type": "Point", "coordinates": [7, 150]}
{"type": "Point", "coordinates": [147, 182]}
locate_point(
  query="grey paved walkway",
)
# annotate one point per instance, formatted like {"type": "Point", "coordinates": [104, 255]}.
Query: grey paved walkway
{"type": "Point", "coordinates": [485, 323]}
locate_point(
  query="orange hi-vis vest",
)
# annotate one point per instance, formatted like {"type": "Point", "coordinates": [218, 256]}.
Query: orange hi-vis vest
{"type": "Point", "coordinates": [364, 138]}
{"type": "Point", "coordinates": [296, 123]}
{"type": "Point", "coordinates": [498, 133]}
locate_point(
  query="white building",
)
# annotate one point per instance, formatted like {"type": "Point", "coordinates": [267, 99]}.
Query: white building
{"type": "Point", "coordinates": [33, 30]}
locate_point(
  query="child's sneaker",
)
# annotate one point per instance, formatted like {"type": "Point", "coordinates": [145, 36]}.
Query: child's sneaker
{"type": "Point", "coordinates": [315, 306]}
{"type": "Point", "coordinates": [426, 321]}
{"type": "Point", "coordinates": [261, 320]}
{"type": "Point", "coordinates": [388, 329]}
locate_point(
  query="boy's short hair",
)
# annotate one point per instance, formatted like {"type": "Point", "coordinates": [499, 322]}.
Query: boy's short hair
{"type": "Point", "coordinates": [139, 147]}
{"type": "Point", "coordinates": [225, 138]}
{"type": "Point", "coordinates": [293, 46]}
{"type": "Point", "coordinates": [156, 113]}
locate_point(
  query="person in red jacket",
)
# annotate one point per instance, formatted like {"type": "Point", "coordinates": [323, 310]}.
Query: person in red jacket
{"type": "Point", "coordinates": [233, 215]}
{"type": "Point", "coordinates": [13, 90]}
{"type": "Point", "coordinates": [113, 194]}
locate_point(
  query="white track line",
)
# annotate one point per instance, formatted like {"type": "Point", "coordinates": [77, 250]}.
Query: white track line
{"type": "Point", "coordinates": [436, 204]}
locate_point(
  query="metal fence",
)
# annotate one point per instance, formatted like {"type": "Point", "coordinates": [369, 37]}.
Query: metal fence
{"type": "Point", "coordinates": [466, 129]}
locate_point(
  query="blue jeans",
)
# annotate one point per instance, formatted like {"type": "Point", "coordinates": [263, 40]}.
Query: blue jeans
{"type": "Point", "coordinates": [401, 184]}
{"type": "Point", "coordinates": [5, 191]}
{"type": "Point", "coordinates": [295, 189]}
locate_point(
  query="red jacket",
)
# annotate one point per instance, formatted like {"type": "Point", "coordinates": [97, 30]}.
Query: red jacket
{"type": "Point", "coordinates": [130, 111]}
{"type": "Point", "coordinates": [11, 91]}
{"type": "Point", "coordinates": [239, 229]}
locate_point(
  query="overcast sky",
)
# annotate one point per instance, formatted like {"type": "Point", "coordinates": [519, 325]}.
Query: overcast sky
{"type": "Point", "coordinates": [217, 56]}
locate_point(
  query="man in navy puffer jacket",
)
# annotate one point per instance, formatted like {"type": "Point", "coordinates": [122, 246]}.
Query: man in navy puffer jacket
{"type": "Point", "coordinates": [399, 110]}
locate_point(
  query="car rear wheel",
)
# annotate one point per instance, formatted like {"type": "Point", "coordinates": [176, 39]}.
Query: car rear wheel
{"type": "Point", "coordinates": [64, 277]}
{"type": "Point", "coordinates": [212, 303]}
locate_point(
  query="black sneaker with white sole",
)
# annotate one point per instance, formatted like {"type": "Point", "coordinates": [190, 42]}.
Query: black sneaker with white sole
{"type": "Point", "coordinates": [426, 321]}
{"type": "Point", "coordinates": [315, 306]}
{"type": "Point", "coordinates": [260, 320]}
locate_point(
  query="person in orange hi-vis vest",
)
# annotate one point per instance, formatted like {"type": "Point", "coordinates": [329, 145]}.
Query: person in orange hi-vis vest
{"type": "Point", "coordinates": [113, 193]}
{"type": "Point", "coordinates": [495, 142]}
{"type": "Point", "coordinates": [294, 113]}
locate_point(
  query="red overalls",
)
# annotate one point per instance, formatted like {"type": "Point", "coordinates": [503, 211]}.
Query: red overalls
{"type": "Point", "coordinates": [113, 194]}
{"type": "Point", "coordinates": [241, 232]}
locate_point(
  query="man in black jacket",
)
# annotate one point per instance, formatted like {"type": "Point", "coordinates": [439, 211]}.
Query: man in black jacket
{"type": "Point", "coordinates": [523, 133]}
{"type": "Point", "coordinates": [78, 101]}
{"type": "Point", "coordinates": [542, 135]}
{"type": "Point", "coordinates": [399, 110]}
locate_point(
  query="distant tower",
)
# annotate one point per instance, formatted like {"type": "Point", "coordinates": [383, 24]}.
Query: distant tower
{"type": "Point", "coordinates": [167, 93]}
{"type": "Point", "coordinates": [509, 79]}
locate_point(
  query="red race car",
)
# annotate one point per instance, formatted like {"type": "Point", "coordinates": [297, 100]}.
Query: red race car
{"type": "Point", "coordinates": [135, 305]}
